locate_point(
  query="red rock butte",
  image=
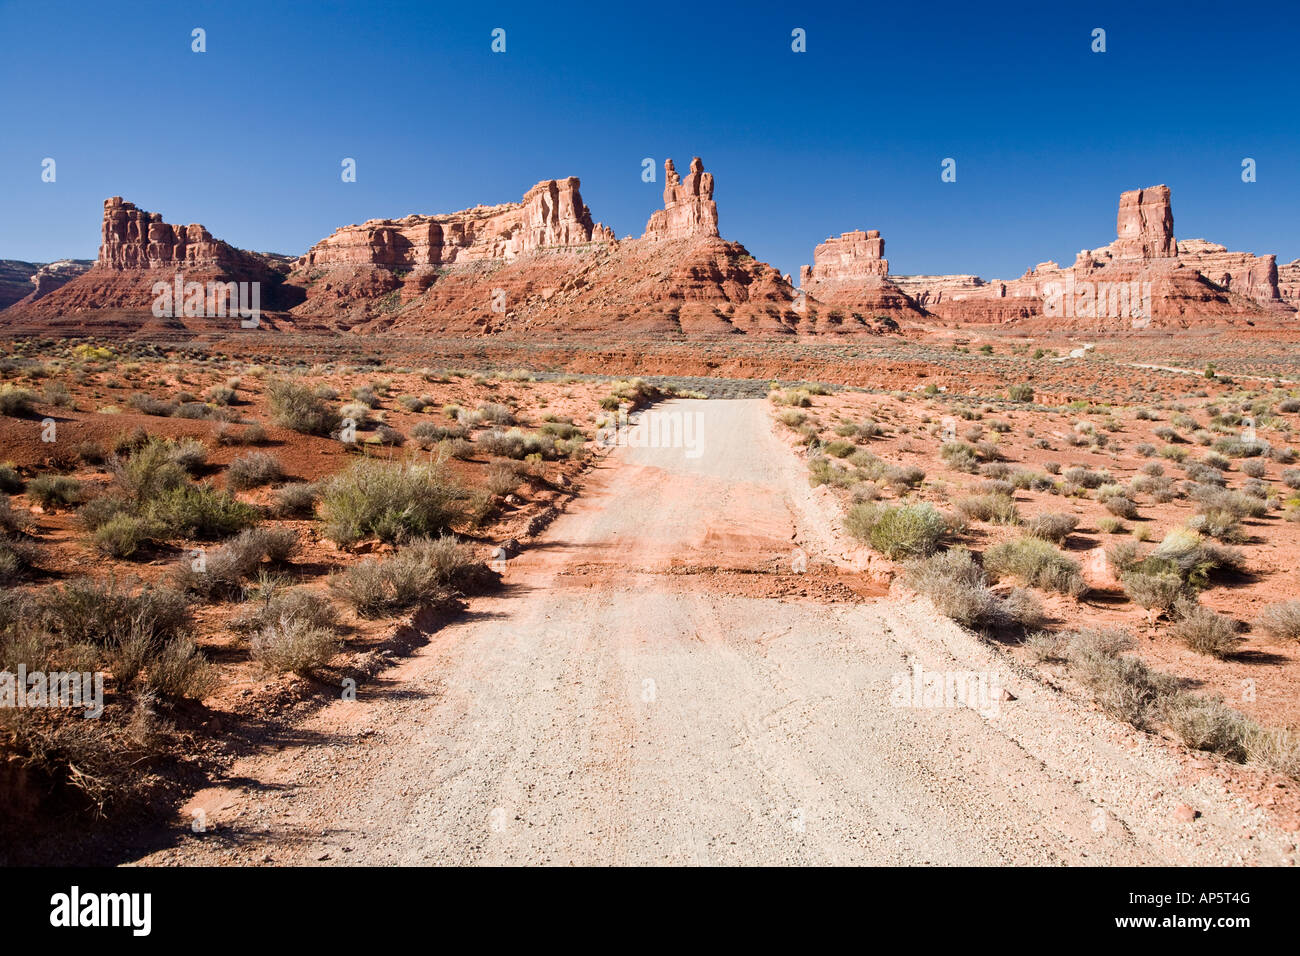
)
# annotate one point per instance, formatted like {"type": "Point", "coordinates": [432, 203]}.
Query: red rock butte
{"type": "Point", "coordinates": [544, 267]}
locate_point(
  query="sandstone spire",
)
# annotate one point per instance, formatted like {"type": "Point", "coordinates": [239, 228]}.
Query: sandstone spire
{"type": "Point", "coordinates": [689, 209]}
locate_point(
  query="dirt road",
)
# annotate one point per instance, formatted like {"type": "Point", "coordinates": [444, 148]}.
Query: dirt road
{"type": "Point", "coordinates": [639, 695]}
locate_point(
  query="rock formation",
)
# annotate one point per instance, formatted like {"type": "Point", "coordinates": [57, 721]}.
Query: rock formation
{"type": "Point", "coordinates": [1288, 283]}
{"type": "Point", "coordinates": [1144, 277]}
{"type": "Point", "coordinates": [138, 250]}
{"type": "Point", "coordinates": [850, 274]}
{"type": "Point", "coordinates": [852, 256]}
{"type": "Point", "coordinates": [689, 210]}
{"type": "Point", "coordinates": [1255, 277]}
{"type": "Point", "coordinates": [551, 215]}
{"type": "Point", "coordinates": [1145, 224]}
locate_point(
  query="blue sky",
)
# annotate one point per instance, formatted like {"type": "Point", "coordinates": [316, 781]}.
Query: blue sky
{"type": "Point", "coordinates": [247, 138]}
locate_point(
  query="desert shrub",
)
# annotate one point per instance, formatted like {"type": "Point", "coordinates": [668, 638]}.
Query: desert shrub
{"type": "Point", "coordinates": [122, 535]}
{"type": "Point", "coordinates": [1220, 524]}
{"type": "Point", "coordinates": [10, 481]}
{"type": "Point", "coordinates": [1125, 687]}
{"type": "Point", "coordinates": [1086, 477]}
{"type": "Point", "coordinates": [1291, 477]}
{"type": "Point", "coordinates": [1021, 392]}
{"type": "Point", "coordinates": [269, 603]}
{"type": "Point", "coordinates": [295, 645]}
{"type": "Point", "coordinates": [1110, 525]}
{"type": "Point", "coordinates": [17, 557]}
{"type": "Point", "coordinates": [221, 395]}
{"type": "Point", "coordinates": [365, 394]}
{"type": "Point", "coordinates": [907, 531]}
{"type": "Point", "coordinates": [224, 570]}
{"type": "Point", "coordinates": [428, 434]}
{"type": "Point", "coordinates": [793, 418]}
{"type": "Point", "coordinates": [1233, 502]}
{"type": "Point", "coordinates": [1254, 468]}
{"type": "Point", "coordinates": [198, 511]}
{"type": "Point", "coordinates": [959, 590]}
{"type": "Point", "coordinates": [495, 414]}
{"type": "Point", "coordinates": [959, 456]}
{"type": "Point", "coordinates": [179, 670]}
{"type": "Point", "coordinates": [823, 471]}
{"type": "Point", "coordinates": [501, 479]}
{"type": "Point", "coordinates": [566, 431]}
{"type": "Point", "coordinates": [150, 471]}
{"type": "Point", "coordinates": [252, 470]}
{"type": "Point", "coordinates": [1282, 621]}
{"type": "Point", "coordinates": [12, 522]}
{"type": "Point", "coordinates": [388, 501]}
{"type": "Point", "coordinates": [1153, 590]}
{"type": "Point", "coordinates": [1121, 506]}
{"type": "Point", "coordinates": [85, 611]}
{"type": "Point", "coordinates": [294, 500]}
{"type": "Point", "coordinates": [1184, 552]}
{"type": "Point", "coordinates": [902, 477]}
{"type": "Point", "coordinates": [426, 571]}
{"type": "Point", "coordinates": [252, 434]}
{"type": "Point", "coordinates": [52, 491]}
{"type": "Point", "coordinates": [189, 454]}
{"type": "Point", "coordinates": [1054, 527]}
{"type": "Point", "coordinates": [1037, 563]}
{"type": "Point", "coordinates": [996, 508]}
{"type": "Point", "coordinates": [1206, 723]}
{"type": "Point", "coordinates": [839, 449]}
{"type": "Point", "coordinates": [516, 444]}
{"type": "Point", "coordinates": [1203, 630]}
{"type": "Point", "coordinates": [296, 407]}
{"type": "Point", "coordinates": [15, 401]}
{"type": "Point", "coordinates": [957, 586]}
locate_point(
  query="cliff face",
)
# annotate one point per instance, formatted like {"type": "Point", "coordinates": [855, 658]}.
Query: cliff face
{"type": "Point", "coordinates": [1145, 225]}
{"type": "Point", "coordinates": [551, 215]}
{"type": "Point", "coordinates": [1288, 283]}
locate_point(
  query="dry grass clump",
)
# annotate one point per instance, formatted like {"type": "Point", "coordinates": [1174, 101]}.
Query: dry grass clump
{"type": "Point", "coordinates": [959, 590]}
{"type": "Point", "coordinates": [1037, 563]}
{"type": "Point", "coordinates": [1282, 621]}
{"type": "Point", "coordinates": [424, 572]}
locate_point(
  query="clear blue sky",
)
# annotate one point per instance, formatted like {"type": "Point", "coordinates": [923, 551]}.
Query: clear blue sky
{"type": "Point", "coordinates": [247, 138]}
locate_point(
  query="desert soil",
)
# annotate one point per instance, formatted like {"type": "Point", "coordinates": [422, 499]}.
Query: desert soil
{"type": "Point", "coordinates": [657, 685]}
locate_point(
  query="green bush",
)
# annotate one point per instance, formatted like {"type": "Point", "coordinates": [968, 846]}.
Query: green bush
{"type": "Point", "coordinates": [902, 531]}
{"type": "Point", "coordinates": [15, 401]}
{"type": "Point", "coordinates": [122, 535]}
{"type": "Point", "coordinates": [393, 502]}
{"type": "Point", "coordinates": [54, 490]}
{"type": "Point", "coordinates": [198, 511]}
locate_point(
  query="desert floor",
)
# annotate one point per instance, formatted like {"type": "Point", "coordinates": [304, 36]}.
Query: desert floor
{"type": "Point", "coordinates": [656, 684]}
